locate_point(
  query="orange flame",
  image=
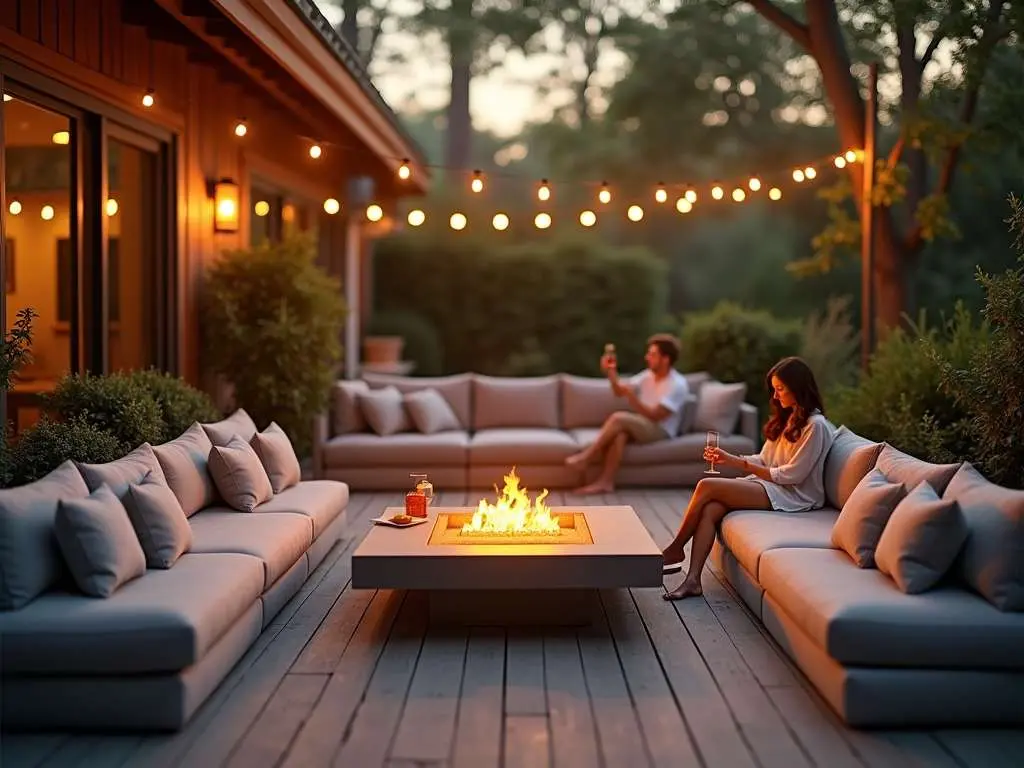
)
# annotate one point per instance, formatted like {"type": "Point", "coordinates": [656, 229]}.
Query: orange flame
{"type": "Point", "coordinates": [514, 512]}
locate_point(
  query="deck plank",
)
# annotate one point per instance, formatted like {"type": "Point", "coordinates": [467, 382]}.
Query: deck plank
{"type": "Point", "coordinates": [527, 742]}
{"type": "Point", "coordinates": [29, 749]}
{"type": "Point", "coordinates": [480, 717]}
{"type": "Point", "coordinates": [573, 733]}
{"type": "Point", "coordinates": [524, 683]}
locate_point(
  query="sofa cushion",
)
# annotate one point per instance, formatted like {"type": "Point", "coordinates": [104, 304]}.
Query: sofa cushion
{"type": "Point", "coordinates": [238, 423]}
{"type": "Point", "coordinates": [696, 380]}
{"type": "Point", "coordinates": [903, 468]}
{"type": "Point", "coordinates": [276, 454]}
{"type": "Point", "coordinates": [278, 539]}
{"type": "Point", "coordinates": [587, 401]}
{"type": "Point", "coordinates": [163, 622]}
{"type": "Point", "coordinates": [515, 402]}
{"type": "Point", "coordinates": [993, 557]}
{"type": "Point", "coordinates": [750, 533]}
{"type": "Point", "coordinates": [864, 516]}
{"type": "Point", "coordinates": [860, 617]}
{"type": "Point", "coordinates": [346, 415]}
{"type": "Point", "coordinates": [319, 500]}
{"type": "Point", "coordinates": [921, 540]}
{"type": "Point", "coordinates": [685, 449]}
{"type": "Point", "coordinates": [384, 411]}
{"type": "Point", "coordinates": [118, 475]}
{"type": "Point", "coordinates": [408, 449]}
{"type": "Point", "coordinates": [98, 542]}
{"type": "Point", "coordinates": [849, 459]}
{"type": "Point", "coordinates": [159, 522]}
{"type": "Point", "coordinates": [718, 407]}
{"type": "Point", "coordinates": [30, 560]}
{"type": "Point", "coordinates": [238, 474]}
{"type": "Point", "coordinates": [430, 412]}
{"type": "Point", "coordinates": [185, 463]}
{"type": "Point", "coordinates": [455, 389]}
{"type": "Point", "coordinates": [520, 446]}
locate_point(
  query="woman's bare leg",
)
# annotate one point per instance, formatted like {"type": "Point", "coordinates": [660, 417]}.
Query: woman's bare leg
{"type": "Point", "coordinates": [711, 515]}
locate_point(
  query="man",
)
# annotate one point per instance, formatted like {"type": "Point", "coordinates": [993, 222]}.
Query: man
{"type": "Point", "coordinates": [656, 397]}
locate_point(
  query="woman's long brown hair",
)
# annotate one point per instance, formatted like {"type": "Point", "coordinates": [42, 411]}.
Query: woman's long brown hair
{"type": "Point", "coordinates": [799, 379]}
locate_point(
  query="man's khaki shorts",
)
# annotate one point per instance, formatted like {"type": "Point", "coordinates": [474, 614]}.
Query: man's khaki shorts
{"type": "Point", "coordinates": [639, 428]}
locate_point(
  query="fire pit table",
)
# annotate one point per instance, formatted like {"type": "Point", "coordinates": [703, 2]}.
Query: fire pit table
{"type": "Point", "coordinates": [477, 567]}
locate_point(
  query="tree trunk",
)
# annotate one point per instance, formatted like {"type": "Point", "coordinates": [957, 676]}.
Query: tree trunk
{"type": "Point", "coordinates": [350, 23]}
{"type": "Point", "coordinates": [458, 149]}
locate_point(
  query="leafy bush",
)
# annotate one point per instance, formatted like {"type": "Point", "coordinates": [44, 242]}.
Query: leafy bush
{"type": "Point", "coordinates": [830, 346]}
{"type": "Point", "coordinates": [571, 295]}
{"type": "Point", "coordinates": [422, 345]}
{"type": "Point", "coordinates": [736, 344]}
{"type": "Point", "coordinates": [47, 444]}
{"type": "Point", "coordinates": [901, 399]}
{"type": "Point", "coordinates": [273, 322]}
{"type": "Point", "coordinates": [116, 405]}
{"type": "Point", "coordinates": [16, 346]}
{"type": "Point", "coordinates": [179, 403]}
{"type": "Point", "coordinates": [988, 381]}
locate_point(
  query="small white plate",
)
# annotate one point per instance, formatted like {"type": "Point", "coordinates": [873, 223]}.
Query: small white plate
{"type": "Point", "coordinates": [393, 524]}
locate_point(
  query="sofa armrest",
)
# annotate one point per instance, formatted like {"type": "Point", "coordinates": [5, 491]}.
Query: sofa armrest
{"type": "Point", "coordinates": [749, 424]}
{"type": "Point", "coordinates": [321, 434]}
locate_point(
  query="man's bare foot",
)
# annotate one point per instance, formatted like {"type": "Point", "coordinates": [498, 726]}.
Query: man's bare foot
{"type": "Point", "coordinates": [593, 488]}
{"type": "Point", "coordinates": [577, 459]}
{"type": "Point", "coordinates": [683, 591]}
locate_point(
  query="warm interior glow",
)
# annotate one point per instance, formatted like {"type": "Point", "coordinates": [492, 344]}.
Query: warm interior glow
{"type": "Point", "coordinates": [500, 222]}
{"type": "Point", "coordinates": [61, 137]}
{"type": "Point", "coordinates": [331, 206]}
{"type": "Point", "coordinates": [513, 512]}
{"type": "Point", "coordinates": [112, 207]}
{"type": "Point", "coordinates": [588, 218]}
{"type": "Point", "coordinates": [634, 213]}
{"type": "Point", "coordinates": [416, 217]}
{"type": "Point", "coordinates": [262, 208]}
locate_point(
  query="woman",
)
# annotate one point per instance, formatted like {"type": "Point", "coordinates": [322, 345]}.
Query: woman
{"type": "Point", "coordinates": [786, 476]}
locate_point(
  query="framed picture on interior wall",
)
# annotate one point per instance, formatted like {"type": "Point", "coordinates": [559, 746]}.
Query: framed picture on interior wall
{"type": "Point", "coordinates": [9, 284]}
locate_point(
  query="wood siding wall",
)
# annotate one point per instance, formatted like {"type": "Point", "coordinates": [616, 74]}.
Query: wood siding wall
{"type": "Point", "coordinates": [108, 51]}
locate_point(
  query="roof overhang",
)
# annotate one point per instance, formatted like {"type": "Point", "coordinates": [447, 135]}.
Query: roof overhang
{"type": "Point", "coordinates": [302, 50]}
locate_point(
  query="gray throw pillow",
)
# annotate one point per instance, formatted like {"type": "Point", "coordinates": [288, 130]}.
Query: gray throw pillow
{"type": "Point", "coordinates": [118, 475]}
{"type": "Point", "coordinates": [277, 456]}
{"type": "Point", "coordinates": [158, 520]}
{"type": "Point", "coordinates": [238, 423]}
{"type": "Point", "coordinates": [864, 515]}
{"type": "Point", "coordinates": [385, 411]}
{"type": "Point", "coordinates": [718, 407]}
{"type": "Point", "coordinates": [98, 542]}
{"type": "Point", "coordinates": [921, 540]}
{"type": "Point", "coordinates": [430, 412]}
{"type": "Point", "coordinates": [239, 475]}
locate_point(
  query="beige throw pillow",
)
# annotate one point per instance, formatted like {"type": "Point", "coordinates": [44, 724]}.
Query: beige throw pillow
{"type": "Point", "coordinates": [849, 459]}
{"type": "Point", "coordinates": [278, 457]}
{"type": "Point", "coordinates": [238, 423]}
{"type": "Point", "coordinates": [864, 516]}
{"type": "Point", "coordinates": [239, 475]}
{"type": "Point", "coordinates": [159, 521]}
{"type": "Point", "coordinates": [98, 542]}
{"type": "Point", "coordinates": [118, 475]}
{"type": "Point", "coordinates": [385, 411]}
{"type": "Point", "coordinates": [184, 462]}
{"type": "Point", "coordinates": [718, 407]}
{"type": "Point", "coordinates": [430, 412]}
{"type": "Point", "coordinates": [921, 540]}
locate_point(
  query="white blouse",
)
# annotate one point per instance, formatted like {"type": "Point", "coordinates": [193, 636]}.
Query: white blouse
{"type": "Point", "coordinates": [797, 469]}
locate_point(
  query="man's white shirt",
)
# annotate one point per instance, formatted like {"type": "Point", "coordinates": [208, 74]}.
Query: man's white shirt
{"type": "Point", "coordinates": [671, 392]}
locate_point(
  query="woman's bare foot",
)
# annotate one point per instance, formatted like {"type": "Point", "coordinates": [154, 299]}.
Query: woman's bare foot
{"type": "Point", "coordinates": [594, 488]}
{"type": "Point", "coordinates": [683, 591]}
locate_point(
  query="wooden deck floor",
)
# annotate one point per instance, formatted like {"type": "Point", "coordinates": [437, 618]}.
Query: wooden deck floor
{"type": "Point", "coordinates": [356, 678]}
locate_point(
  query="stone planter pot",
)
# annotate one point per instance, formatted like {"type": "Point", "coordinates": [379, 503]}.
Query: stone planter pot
{"type": "Point", "coordinates": [383, 349]}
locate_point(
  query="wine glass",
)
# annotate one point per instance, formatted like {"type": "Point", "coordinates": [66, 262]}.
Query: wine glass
{"type": "Point", "coordinates": [711, 442]}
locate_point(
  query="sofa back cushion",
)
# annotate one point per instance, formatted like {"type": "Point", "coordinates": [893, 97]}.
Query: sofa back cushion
{"type": "Point", "coordinates": [587, 401]}
{"type": "Point", "coordinates": [238, 423]}
{"type": "Point", "coordinates": [696, 380]}
{"type": "Point", "coordinates": [899, 467]}
{"type": "Point", "coordinates": [993, 558]}
{"type": "Point", "coordinates": [849, 459]}
{"type": "Point", "coordinates": [123, 472]}
{"type": "Point", "coordinates": [346, 415]}
{"type": "Point", "coordinates": [30, 560]}
{"type": "Point", "coordinates": [718, 407]}
{"type": "Point", "coordinates": [455, 389]}
{"type": "Point", "coordinates": [184, 461]}
{"type": "Point", "coordinates": [515, 402]}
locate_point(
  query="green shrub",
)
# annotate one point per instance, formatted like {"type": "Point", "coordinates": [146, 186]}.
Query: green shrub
{"type": "Point", "coordinates": [734, 344]}
{"type": "Point", "coordinates": [47, 444]}
{"type": "Point", "coordinates": [901, 399]}
{"type": "Point", "coordinates": [572, 295]}
{"type": "Point", "coordinates": [117, 405]}
{"type": "Point", "coordinates": [16, 346]}
{"type": "Point", "coordinates": [830, 346]}
{"type": "Point", "coordinates": [422, 345]}
{"type": "Point", "coordinates": [179, 403]}
{"type": "Point", "coordinates": [273, 322]}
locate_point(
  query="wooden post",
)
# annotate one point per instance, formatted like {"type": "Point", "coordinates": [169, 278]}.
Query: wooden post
{"type": "Point", "coordinates": [867, 222]}
{"type": "Point", "coordinates": [353, 294]}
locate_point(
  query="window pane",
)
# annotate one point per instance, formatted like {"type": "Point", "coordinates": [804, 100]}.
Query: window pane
{"type": "Point", "coordinates": [40, 260]}
{"type": "Point", "coordinates": [133, 256]}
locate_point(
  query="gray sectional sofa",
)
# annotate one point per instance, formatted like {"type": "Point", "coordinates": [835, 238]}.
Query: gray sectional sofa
{"type": "Point", "coordinates": [879, 656]}
{"type": "Point", "coordinates": [530, 423]}
{"type": "Point", "coordinates": [146, 656]}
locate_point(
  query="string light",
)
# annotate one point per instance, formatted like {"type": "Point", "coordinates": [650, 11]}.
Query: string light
{"type": "Point", "coordinates": [691, 196]}
{"type": "Point", "coordinates": [604, 196]}
{"type": "Point", "coordinates": [457, 222]}
{"type": "Point", "coordinates": [851, 155]}
{"type": "Point", "coordinates": [241, 128]}
{"type": "Point", "coordinates": [111, 207]}
{"type": "Point", "coordinates": [331, 206]}
{"type": "Point", "coordinates": [477, 185]}
{"type": "Point", "coordinates": [149, 98]}
{"type": "Point", "coordinates": [403, 170]}
{"type": "Point", "coordinates": [8, 97]}
{"type": "Point", "coordinates": [798, 176]}
{"type": "Point", "coordinates": [500, 222]}
{"type": "Point", "coordinates": [660, 195]}
{"type": "Point", "coordinates": [542, 220]}
{"type": "Point", "coordinates": [717, 192]}
{"type": "Point", "coordinates": [374, 212]}
{"type": "Point", "coordinates": [739, 195]}
{"type": "Point", "coordinates": [775, 193]}
{"type": "Point", "coordinates": [588, 218]}
{"type": "Point", "coordinates": [635, 213]}
{"type": "Point", "coordinates": [810, 172]}
{"type": "Point", "coordinates": [840, 161]}
{"type": "Point", "coordinates": [14, 208]}
{"type": "Point", "coordinates": [315, 151]}
{"type": "Point", "coordinates": [416, 217]}
{"type": "Point", "coordinates": [754, 184]}
{"type": "Point", "coordinates": [544, 191]}
{"type": "Point", "coordinates": [46, 213]}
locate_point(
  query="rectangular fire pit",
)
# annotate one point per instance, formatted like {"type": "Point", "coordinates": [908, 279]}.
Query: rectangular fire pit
{"type": "Point", "coordinates": [511, 578]}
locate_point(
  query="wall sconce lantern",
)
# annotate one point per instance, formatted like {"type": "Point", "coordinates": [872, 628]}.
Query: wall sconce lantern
{"type": "Point", "coordinates": [226, 206]}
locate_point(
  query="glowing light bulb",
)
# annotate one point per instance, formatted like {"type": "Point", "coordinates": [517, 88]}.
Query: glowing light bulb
{"type": "Point", "coordinates": [403, 170]}
{"type": "Point", "coordinates": [148, 99]}
{"type": "Point", "coordinates": [840, 161]}
{"type": "Point", "coordinates": [457, 221]}
{"type": "Point", "coordinates": [315, 151]}
{"type": "Point", "coordinates": [798, 175]}
{"type": "Point", "coordinates": [544, 191]}
{"type": "Point", "coordinates": [477, 184]}
{"type": "Point", "coordinates": [7, 97]}
{"type": "Point", "coordinates": [660, 195]}
{"type": "Point", "coordinates": [604, 196]}
{"type": "Point", "coordinates": [754, 184]}
{"type": "Point", "coordinates": [691, 196]}
{"type": "Point", "coordinates": [416, 217]}
{"type": "Point", "coordinates": [262, 208]}
{"type": "Point", "coordinates": [46, 213]}
{"type": "Point", "coordinates": [635, 213]}
{"type": "Point", "coordinates": [374, 212]}
{"type": "Point", "coordinates": [739, 195]}
{"type": "Point", "coordinates": [588, 218]}
{"type": "Point", "coordinates": [331, 206]}
{"type": "Point", "coordinates": [500, 222]}
{"type": "Point", "coordinates": [809, 172]}
{"type": "Point", "coordinates": [61, 137]}
{"type": "Point", "coordinates": [717, 192]}
{"type": "Point", "coordinates": [111, 207]}
{"type": "Point", "coordinates": [542, 220]}
{"type": "Point", "coordinates": [683, 205]}
{"type": "Point", "coordinates": [851, 155]}
{"type": "Point", "coordinates": [775, 193]}
{"type": "Point", "coordinates": [241, 128]}
{"type": "Point", "coordinates": [14, 208]}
